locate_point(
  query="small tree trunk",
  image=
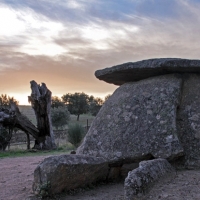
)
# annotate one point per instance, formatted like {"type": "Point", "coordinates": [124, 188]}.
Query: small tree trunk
{"type": "Point", "coordinates": [9, 146]}
{"type": "Point", "coordinates": [78, 117]}
{"type": "Point", "coordinates": [20, 121]}
{"type": "Point", "coordinates": [28, 141]}
{"type": "Point", "coordinates": [5, 137]}
{"type": "Point", "coordinates": [87, 125]}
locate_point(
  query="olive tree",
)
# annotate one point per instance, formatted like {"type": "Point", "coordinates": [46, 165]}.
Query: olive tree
{"type": "Point", "coordinates": [77, 103]}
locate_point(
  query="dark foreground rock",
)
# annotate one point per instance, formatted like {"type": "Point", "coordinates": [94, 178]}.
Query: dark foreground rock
{"type": "Point", "coordinates": [67, 172]}
{"type": "Point", "coordinates": [140, 180]}
{"type": "Point", "coordinates": [135, 71]}
{"type": "Point", "coordinates": [137, 122]}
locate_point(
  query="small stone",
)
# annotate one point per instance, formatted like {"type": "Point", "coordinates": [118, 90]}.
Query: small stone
{"type": "Point", "coordinates": [73, 152]}
{"type": "Point", "coordinates": [165, 195]}
{"type": "Point", "coordinates": [24, 188]}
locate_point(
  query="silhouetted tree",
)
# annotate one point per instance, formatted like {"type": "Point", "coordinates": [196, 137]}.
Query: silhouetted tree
{"type": "Point", "coordinates": [95, 105]}
{"type": "Point", "coordinates": [107, 97]}
{"type": "Point", "coordinates": [57, 102]}
{"type": "Point", "coordinates": [77, 103]}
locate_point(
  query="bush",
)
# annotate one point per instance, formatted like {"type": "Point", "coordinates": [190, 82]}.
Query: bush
{"type": "Point", "coordinates": [75, 134]}
{"type": "Point", "coordinates": [60, 117]}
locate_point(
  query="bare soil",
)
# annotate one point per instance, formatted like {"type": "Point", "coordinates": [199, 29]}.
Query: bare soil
{"type": "Point", "coordinates": [16, 178]}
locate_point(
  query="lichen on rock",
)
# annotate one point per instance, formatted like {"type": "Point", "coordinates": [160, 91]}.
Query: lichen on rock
{"type": "Point", "coordinates": [138, 120]}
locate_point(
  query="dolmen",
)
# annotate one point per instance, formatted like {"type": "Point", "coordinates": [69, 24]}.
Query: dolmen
{"type": "Point", "coordinates": [153, 118]}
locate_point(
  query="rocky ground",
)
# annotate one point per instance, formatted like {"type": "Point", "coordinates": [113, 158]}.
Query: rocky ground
{"type": "Point", "coordinates": [16, 177]}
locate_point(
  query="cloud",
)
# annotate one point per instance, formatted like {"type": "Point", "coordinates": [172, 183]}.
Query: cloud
{"type": "Point", "coordinates": [62, 43]}
{"type": "Point", "coordinates": [61, 76]}
{"type": "Point", "coordinates": [33, 32]}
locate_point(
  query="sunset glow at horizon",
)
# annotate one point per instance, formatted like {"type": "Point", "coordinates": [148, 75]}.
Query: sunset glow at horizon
{"type": "Point", "coordinates": [62, 43]}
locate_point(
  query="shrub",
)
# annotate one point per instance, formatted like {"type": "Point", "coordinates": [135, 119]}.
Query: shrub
{"type": "Point", "coordinates": [75, 134]}
{"type": "Point", "coordinates": [60, 117]}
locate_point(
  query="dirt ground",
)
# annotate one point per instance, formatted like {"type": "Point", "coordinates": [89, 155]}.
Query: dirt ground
{"type": "Point", "coordinates": [16, 177]}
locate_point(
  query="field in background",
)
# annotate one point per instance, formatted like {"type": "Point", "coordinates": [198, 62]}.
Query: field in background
{"type": "Point", "coordinates": [29, 112]}
{"type": "Point", "coordinates": [82, 119]}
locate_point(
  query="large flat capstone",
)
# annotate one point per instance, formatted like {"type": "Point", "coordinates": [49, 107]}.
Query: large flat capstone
{"type": "Point", "coordinates": [135, 71]}
{"type": "Point", "coordinates": [138, 121]}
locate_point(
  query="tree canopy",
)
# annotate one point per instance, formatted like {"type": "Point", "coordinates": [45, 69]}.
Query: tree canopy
{"type": "Point", "coordinates": [77, 103]}
{"type": "Point", "coordinates": [107, 97]}
{"type": "Point", "coordinates": [95, 105]}
{"type": "Point", "coordinates": [57, 102]}
{"type": "Point", "coordinates": [81, 103]}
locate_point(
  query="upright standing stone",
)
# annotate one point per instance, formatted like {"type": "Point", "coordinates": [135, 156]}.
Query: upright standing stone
{"type": "Point", "coordinates": [137, 121]}
{"type": "Point", "coordinates": [188, 120]}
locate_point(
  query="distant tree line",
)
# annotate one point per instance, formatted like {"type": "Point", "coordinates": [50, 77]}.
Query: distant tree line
{"type": "Point", "coordinates": [79, 103]}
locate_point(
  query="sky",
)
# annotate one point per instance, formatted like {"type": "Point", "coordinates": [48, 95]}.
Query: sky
{"type": "Point", "coordinates": [63, 42]}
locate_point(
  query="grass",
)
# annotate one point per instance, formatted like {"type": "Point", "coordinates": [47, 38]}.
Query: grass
{"type": "Point", "coordinates": [82, 119]}
{"type": "Point", "coordinates": [20, 152]}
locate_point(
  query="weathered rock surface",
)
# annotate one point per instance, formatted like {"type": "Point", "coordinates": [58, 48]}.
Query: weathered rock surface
{"type": "Point", "coordinates": [135, 71]}
{"type": "Point", "coordinates": [188, 120]}
{"type": "Point", "coordinates": [140, 180]}
{"type": "Point", "coordinates": [66, 172]}
{"type": "Point", "coordinates": [138, 121]}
